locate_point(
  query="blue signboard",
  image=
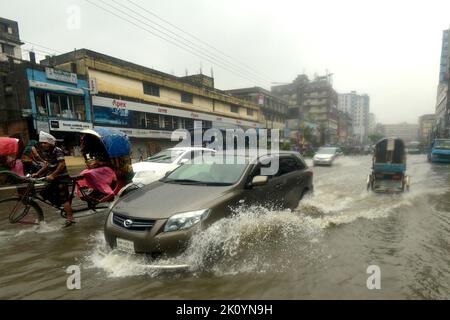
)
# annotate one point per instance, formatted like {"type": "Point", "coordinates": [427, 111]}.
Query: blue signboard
{"type": "Point", "coordinates": [112, 116]}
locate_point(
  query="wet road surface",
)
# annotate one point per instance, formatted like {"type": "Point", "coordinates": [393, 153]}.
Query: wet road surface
{"type": "Point", "coordinates": [320, 251]}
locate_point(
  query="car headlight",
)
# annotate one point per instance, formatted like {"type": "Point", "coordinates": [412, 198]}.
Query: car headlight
{"type": "Point", "coordinates": [185, 220]}
{"type": "Point", "coordinates": [433, 155]}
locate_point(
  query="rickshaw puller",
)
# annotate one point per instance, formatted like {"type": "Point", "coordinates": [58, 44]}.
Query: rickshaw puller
{"type": "Point", "coordinates": [57, 192]}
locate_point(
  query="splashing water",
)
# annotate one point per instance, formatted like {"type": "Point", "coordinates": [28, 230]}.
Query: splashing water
{"type": "Point", "coordinates": [256, 239]}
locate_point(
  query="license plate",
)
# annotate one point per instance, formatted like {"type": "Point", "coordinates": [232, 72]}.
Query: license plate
{"type": "Point", "coordinates": [125, 245]}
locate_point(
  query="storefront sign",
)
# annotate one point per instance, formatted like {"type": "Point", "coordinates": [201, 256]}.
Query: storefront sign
{"type": "Point", "coordinates": [93, 88]}
{"type": "Point", "coordinates": [42, 126]}
{"type": "Point", "coordinates": [143, 107]}
{"type": "Point", "coordinates": [55, 87]}
{"type": "Point", "coordinates": [119, 104]}
{"type": "Point", "coordinates": [143, 133]}
{"type": "Point", "coordinates": [261, 99]}
{"type": "Point", "coordinates": [60, 75]}
{"type": "Point", "coordinates": [69, 126]}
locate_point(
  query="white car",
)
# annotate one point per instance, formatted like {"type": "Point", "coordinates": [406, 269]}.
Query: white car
{"type": "Point", "coordinates": [326, 156]}
{"type": "Point", "coordinates": [156, 167]}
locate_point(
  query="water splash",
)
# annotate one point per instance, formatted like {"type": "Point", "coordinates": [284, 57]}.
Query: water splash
{"type": "Point", "coordinates": [19, 230]}
{"type": "Point", "coordinates": [257, 240]}
{"type": "Point", "coordinates": [253, 239]}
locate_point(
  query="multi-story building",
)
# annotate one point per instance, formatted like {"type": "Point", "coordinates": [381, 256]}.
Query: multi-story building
{"type": "Point", "coordinates": [293, 93]}
{"type": "Point", "coordinates": [48, 99]}
{"type": "Point", "coordinates": [274, 110]}
{"type": "Point", "coordinates": [426, 123]}
{"type": "Point", "coordinates": [320, 106]}
{"type": "Point", "coordinates": [442, 113]}
{"type": "Point", "coordinates": [11, 122]}
{"type": "Point", "coordinates": [406, 132]}
{"type": "Point", "coordinates": [10, 44]}
{"type": "Point", "coordinates": [372, 123]}
{"type": "Point", "coordinates": [148, 105]}
{"type": "Point", "coordinates": [444, 61]}
{"type": "Point", "coordinates": [299, 129]}
{"type": "Point", "coordinates": [345, 128]}
{"type": "Point", "coordinates": [358, 106]}
{"type": "Point", "coordinates": [312, 107]}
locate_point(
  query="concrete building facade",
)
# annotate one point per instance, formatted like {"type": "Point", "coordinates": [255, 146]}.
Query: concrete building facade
{"type": "Point", "coordinates": [358, 106]}
{"type": "Point", "coordinates": [312, 108]}
{"type": "Point", "coordinates": [426, 123]}
{"type": "Point", "coordinates": [405, 131]}
{"type": "Point", "coordinates": [148, 105]}
{"type": "Point", "coordinates": [10, 43]}
{"type": "Point", "coordinates": [274, 110]}
{"type": "Point", "coordinates": [372, 124]}
{"type": "Point", "coordinates": [47, 99]}
{"type": "Point", "coordinates": [441, 127]}
{"type": "Point", "coordinates": [320, 106]}
{"type": "Point", "coordinates": [11, 121]}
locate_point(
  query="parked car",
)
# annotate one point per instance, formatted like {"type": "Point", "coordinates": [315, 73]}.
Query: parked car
{"type": "Point", "coordinates": [160, 218]}
{"type": "Point", "coordinates": [325, 156]}
{"type": "Point", "coordinates": [440, 151]}
{"type": "Point", "coordinates": [414, 147]}
{"type": "Point", "coordinates": [155, 167]}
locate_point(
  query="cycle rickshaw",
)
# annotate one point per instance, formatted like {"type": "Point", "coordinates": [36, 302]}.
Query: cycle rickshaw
{"type": "Point", "coordinates": [107, 157]}
{"type": "Point", "coordinates": [389, 167]}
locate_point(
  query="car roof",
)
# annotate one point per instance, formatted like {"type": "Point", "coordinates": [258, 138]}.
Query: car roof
{"type": "Point", "coordinates": [189, 148]}
{"type": "Point", "coordinates": [255, 154]}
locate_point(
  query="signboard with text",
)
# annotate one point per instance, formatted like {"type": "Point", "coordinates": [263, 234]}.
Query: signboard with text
{"type": "Point", "coordinates": [69, 126]}
{"type": "Point", "coordinates": [60, 75]}
{"type": "Point", "coordinates": [120, 112]}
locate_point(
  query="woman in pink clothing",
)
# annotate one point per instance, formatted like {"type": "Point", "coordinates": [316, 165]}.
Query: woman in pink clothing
{"type": "Point", "coordinates": [9, 149]}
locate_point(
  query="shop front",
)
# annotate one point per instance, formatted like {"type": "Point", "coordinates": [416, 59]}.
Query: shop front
{"type": "Point", "coordinates": [150, 127]}
{"type": "Point", "coordinates": [60, 105]}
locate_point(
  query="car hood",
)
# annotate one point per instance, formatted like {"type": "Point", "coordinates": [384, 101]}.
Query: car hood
{"type": "Point", "coordinates": [152, 166]}
{"type": "Point", "coordinates": [161, 200]}
{"type": "Point", "coordinates": [147, 177]}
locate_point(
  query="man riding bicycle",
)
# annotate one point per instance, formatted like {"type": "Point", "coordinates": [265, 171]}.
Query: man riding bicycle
{"type": "Point", "coordinates": [55, 170]}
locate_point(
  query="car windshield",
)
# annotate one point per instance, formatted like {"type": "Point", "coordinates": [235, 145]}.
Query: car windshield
{"type": "Point", "coordinates": [326, 151]}
{"type": "Point", "coordinates": [209, 172]}
{"type": "Point", "coordinates": [442, 144]}
{"type": "Point", "coordinates": [165, 156]}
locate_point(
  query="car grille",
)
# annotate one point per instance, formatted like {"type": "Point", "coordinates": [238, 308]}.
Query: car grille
{"type": "Point", "coordinates": [137, 224]}
{"type": "Point", "coordinates": [443, 156]}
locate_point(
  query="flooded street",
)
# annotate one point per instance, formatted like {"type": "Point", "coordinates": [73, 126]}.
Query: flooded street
{"type": "Point", "coordinates": [320, 251]}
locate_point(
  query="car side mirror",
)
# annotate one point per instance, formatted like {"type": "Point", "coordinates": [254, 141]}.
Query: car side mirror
{"type": "Point", "coordinates": [260, 181]}
{"type": "Point", "coordinates": [183, 161]}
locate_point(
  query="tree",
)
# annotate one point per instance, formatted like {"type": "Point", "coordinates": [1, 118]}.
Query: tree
{"type": "Point", "coordinates": [286, 146]}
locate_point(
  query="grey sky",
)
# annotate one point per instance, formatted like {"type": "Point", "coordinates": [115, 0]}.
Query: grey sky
{"type": "Point", "coordinates": [387, 49]}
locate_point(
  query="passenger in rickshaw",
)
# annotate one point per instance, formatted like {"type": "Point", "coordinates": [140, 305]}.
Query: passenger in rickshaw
{"type": "Point", "coordinates": [55, 171]}
{"type": "Point", "coordinates": [98, 176]}
{"type": "Point", "coordinates": [9, 148]}
{"type": "Point", "coordinates": [31, 158]}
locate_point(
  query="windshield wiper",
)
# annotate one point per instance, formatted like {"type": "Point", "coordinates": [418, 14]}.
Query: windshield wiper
{"type": "Point", "coordinates": [218, 184]}
{"type": "Point", "coordinates": [184, 181]}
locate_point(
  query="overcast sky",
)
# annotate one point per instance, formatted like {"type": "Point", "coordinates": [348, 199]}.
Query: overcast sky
{"type": "Point", "coordinates": [387, 49]}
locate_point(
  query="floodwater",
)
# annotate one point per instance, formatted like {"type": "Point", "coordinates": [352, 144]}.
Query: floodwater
{"type": "Point", "coordinates": [320, 251]}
